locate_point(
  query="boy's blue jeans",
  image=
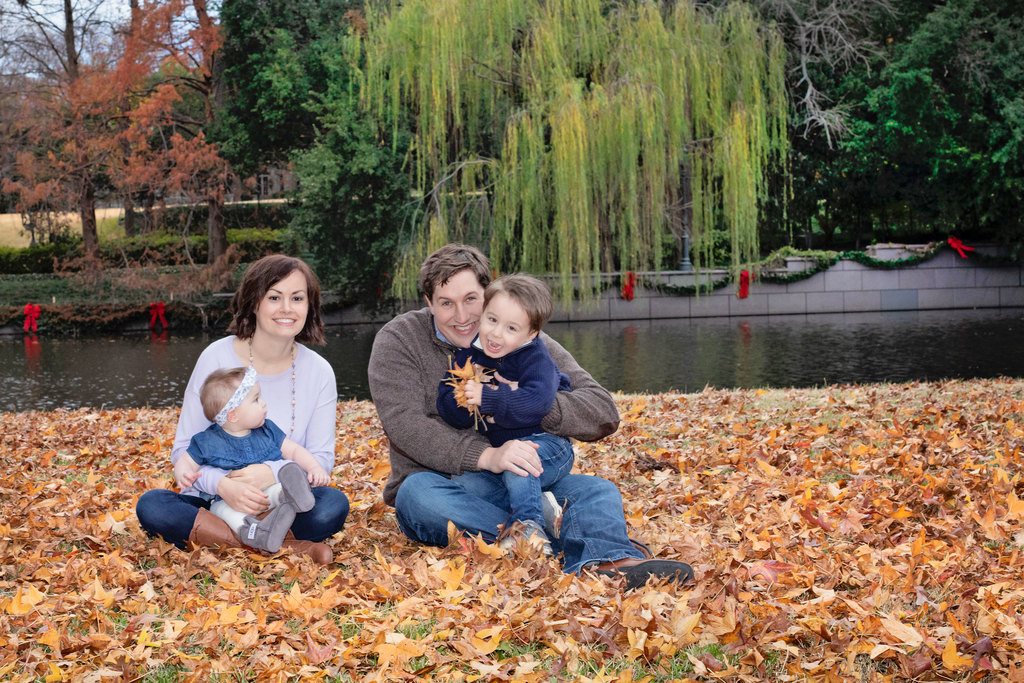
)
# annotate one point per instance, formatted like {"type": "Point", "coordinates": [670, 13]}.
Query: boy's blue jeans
{"type": "Point", "coordinates": [555, 453]}
{"type": "Point", "coordinates": [593, 526]}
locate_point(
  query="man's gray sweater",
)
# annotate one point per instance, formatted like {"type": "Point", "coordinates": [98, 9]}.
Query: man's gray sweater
{"type": "Point", "coordinates": [406, 364]}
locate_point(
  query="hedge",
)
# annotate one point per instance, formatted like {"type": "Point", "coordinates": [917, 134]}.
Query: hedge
{"type": "Point", "coordinates": [175, 219]}
{"type": "Point", "coordinates": [156, 249]}
{"type": "Point", "coordinates": [38, 258]}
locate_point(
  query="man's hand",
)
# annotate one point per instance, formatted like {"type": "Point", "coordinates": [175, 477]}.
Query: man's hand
{"type": "Point", "coordinates": [186, 471]}
{"type": "Point", "coordinates": [518, 457]}
{"type": "Point", "coordinates": [318, 477]}
{"type": "Point", "coordinates": [512, 385]}
{"type": "Point", "coordinates": [258, 476]}
{"type": "Point", "coordinates": [243, 497]}
{"type": "Point", "coordinates": [474, 392]}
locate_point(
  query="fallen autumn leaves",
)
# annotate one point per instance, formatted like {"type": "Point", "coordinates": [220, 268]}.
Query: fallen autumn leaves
{"type": "Point", "coordinates": [850, 533]}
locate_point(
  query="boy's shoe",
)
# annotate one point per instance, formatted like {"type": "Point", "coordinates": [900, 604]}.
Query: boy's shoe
{"type": "Point", "coordinates": [530, 533]}
{"type": "Point", "coordinates": [639, 571]}
{"type": "Point", "coordinates": [295, 487]}
{"type": "Point", "coordinates": [552, 514]}
{"type": "Point", "coordinates": [268, 533]}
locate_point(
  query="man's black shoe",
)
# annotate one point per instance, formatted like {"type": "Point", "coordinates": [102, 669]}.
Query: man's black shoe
{"type": "Point", "coordinates": [639, 571]}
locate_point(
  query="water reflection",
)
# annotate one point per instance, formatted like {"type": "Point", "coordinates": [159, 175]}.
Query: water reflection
{"type": "Point", "coordinates": [687, 355]}
{"type": "Point", "coordinates": [42, 373]}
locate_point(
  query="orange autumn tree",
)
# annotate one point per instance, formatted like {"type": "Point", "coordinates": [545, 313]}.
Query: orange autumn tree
{"type": "Point", "coordinates": [58, 58]}
{"type": "Point", "coordinates": [167, 151]}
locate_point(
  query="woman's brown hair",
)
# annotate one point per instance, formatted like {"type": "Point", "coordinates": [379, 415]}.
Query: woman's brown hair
{"type": "Point", "coordinates": [257, 281]}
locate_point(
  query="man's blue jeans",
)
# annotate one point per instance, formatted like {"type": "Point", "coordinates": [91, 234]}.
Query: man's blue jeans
{"type": "Point", "coordinates": [171, 515]}
{"type": "Point", "coordinates": [555, 453]}
{"type": "Point", "coordinates": [593, 526]}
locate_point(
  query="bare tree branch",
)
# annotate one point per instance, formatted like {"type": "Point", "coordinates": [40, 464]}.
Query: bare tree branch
{"type": "Point", "coordinates": [824, 34]}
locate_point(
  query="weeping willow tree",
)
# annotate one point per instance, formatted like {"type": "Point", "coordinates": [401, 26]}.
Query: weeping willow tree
{"type": "Point", "coordinates": [573, 136]}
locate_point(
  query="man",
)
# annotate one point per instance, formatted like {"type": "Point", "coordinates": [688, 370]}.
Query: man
{"type": "Point", "coordinates": [439, 473]}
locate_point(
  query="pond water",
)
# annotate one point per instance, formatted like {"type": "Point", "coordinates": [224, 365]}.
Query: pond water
{"type": "Point", "coordinates": [44, 373]}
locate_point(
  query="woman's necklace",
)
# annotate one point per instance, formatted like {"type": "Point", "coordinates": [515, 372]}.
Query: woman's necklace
{"type": "Point", "coordinates": [252, 364]}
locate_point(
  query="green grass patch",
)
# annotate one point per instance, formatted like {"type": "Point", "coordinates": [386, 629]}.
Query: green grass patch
{"type": "Point", "coordinates": [205, 583]}
{"type": "Point", "coordinates": [836, 475]}
{"type": "Point", "coordinates": [18, 290]}
{"type": "Point", "coordinates": [165, 673]}
{"type": "Point", "coordinates": [506, 649]}
{"type": "Point", "coordinates": [417, 630]}
{"type": "Point", "coordinates": [662, 670]}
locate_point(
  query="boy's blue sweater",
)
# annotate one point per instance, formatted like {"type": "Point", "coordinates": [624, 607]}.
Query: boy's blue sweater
{"type": "Point", "coordinates": [517, 413]}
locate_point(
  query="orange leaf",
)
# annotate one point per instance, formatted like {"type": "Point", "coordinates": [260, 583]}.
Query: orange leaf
{"type": "Point", "coordinates": [453, 532]}
{"type": "Point", "coordinates": [54, 675]}
{"type": "Point", "coordinates": [295, 601]}
{"type": "Point", "coordinates": [101, 595]}
{"type": "Point", "coordinates": [488, 549]}
{"type": "Point", "coordinates": [51, 639]}
{"type": "Point", "coordinates": [452, 575]}
{"type": "Point", "coordinates": [230, 615]}
{"type": "Point", "coordinates": [1014, 506]}
{"type": "Point", "coordinates": [381, 469]}
{"type": "Point", "coordinates": [902, 513]}
{"type": "Point", "coordinates": [317, 654]}
{"type": "Point", "coordinates": [487, 640]}
{"type": "Point", "coordinates": [146, 640]}
{"type": "Point", "coordinates": [917, 547]}
{"type": "Point", "coordinates": [397, 649]}
{"type": "Point", "coordinates": [770, 570]}
{"type": "Point", "coordinates": [953, 661]}
{"type": "Point", "coordinates": [903, 633]}
{"type": "Point", "coordinates": [25, 599]}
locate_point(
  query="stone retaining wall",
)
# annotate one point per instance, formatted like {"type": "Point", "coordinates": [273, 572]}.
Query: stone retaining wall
{"type": "Point", "coordinates": [946, 281]}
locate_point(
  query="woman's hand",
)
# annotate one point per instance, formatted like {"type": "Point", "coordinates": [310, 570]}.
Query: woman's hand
{"type": "Point", "coordinates": [258, 476]}
{"type": "Point", "coordinates": [186, 471]}
{"type": "Point", "coordinates": [242, 496]}
{"type": "Point", "coordinates": [318, 477]}
{"type": "Point", "coordinates": [474, 392]}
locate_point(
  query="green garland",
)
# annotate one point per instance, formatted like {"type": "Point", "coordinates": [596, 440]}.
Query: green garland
{"type": "Point", "coordinates": [823, 260]}
{"type": "Point", "coordinates": [683, 290]}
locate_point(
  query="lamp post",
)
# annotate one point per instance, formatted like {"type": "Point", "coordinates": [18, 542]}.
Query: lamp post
{"type": "Point", "coordinates": [684, 264]}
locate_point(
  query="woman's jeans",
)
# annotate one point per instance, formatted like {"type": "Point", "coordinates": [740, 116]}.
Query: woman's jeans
{"type": "Point", "coordinates": [172, 515]}
{"type": "Point", "coordinates": [555, 453]}
{"type": "Point", "coordinates": [593, 526]}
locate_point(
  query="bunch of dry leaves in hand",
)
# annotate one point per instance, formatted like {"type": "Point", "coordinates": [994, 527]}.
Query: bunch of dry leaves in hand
{"type": "Point", "coordinates": [847, 533]}
{"type": "Point", "coordinates": [458, 377]}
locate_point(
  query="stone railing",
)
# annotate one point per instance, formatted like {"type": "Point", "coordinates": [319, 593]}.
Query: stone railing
{"type": "Point", "coordinates": [945, 281]}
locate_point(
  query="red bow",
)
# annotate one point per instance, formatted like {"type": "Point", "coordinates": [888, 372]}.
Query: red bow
{"type": "Point", "coordinates": [629, 285]}
{"type": "Point", "coordinates": [960, 247]}
{"type": "Point", "coordinates": [744, 284]}
{"type": "Point", "coordinates": [156, 312]}
{"type": "Point", "coordinates": [32, 312]}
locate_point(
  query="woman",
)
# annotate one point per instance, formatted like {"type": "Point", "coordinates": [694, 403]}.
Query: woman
{"type": "Point", "coordinates": [276, 307]}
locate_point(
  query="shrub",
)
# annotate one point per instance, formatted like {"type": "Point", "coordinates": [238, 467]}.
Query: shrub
{"type": "Point", "coordinates": [192, 218]}
{"type": "Point", "coordinates": [38, 258]}
{"type": "Point", "coordinates": [172, 249]}
{"type": "Point", "coordinates": [156, 249]}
